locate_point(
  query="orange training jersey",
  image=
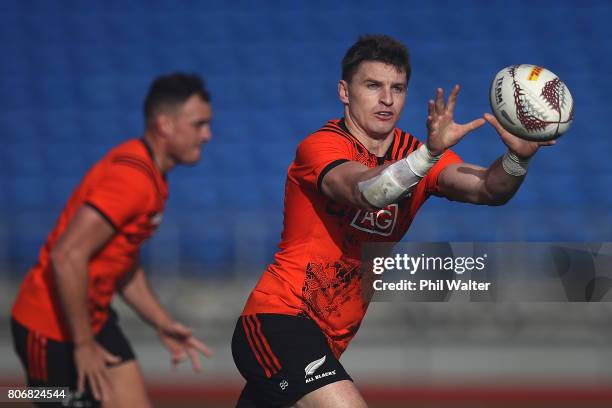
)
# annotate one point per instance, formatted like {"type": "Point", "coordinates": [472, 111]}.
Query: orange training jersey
{"type": "Point", "coordinates": [316, 272]}
{"type": "Point", "coordinates": [127, 189]}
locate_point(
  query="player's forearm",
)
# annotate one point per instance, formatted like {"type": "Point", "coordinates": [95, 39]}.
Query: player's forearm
{"type": "Point", "coordinates": [499, 186]}
{"type": "Point", "coordinates": [138, 294]}
{"type": "Point", "coordinates": [70, 272]}
{"type": "Point", "coordinates": [357, 198]}
{"type": "Point", "coordinates": [390, 183]}
{"type": "Point", "coordinates": [342, 184]}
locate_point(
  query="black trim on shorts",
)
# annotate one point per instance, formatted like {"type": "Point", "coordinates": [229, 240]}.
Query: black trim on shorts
{"type": "Point", "coordinates": [327, 169]}
{"type": "Point", "coordinates": [99, 211]}
{"type": "Point", "coordinates": [282, 358]}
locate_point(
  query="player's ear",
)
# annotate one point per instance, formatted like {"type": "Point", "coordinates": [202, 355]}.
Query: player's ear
{"type": "Point", "coordinates": [343, 91]}
{"type": "Point", "coordinates": [164, 123]}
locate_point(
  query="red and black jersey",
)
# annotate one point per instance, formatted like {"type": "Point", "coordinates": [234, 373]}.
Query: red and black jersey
{"type": "Point", "coordinates": [127, 189]}
{"type": "Point", "coordinates": [317, 271]}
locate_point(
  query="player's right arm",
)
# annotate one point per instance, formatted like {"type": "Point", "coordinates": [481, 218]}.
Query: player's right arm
{"type": "Point", "coordinates": [341, 183]}
{"type": "Point", "coordinates": [366, 188]}
{"type": "Point", "coordinates": [87, 232]}
{"type": "Point", "coordinates": [324, 162]}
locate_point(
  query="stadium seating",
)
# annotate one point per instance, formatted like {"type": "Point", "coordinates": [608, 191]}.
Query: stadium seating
{"type": "Point", "coordinates": [74, 74]}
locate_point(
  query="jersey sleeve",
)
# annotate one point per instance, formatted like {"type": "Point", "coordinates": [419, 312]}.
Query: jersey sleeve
{"type": "Point", "coordinates": [431, 179]}
{"type": "Point", "coordinates": [122, 193]}
{"type": "Point", "coordinates": [316, 156]}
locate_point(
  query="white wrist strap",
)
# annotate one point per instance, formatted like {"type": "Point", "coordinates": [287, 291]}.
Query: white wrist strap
{"type": "Point", "coordinates": [514, 165]}
{"type": "Point", "coordinates": [395, 180]}
{"type": "Point", "coordinates": [420, 161]}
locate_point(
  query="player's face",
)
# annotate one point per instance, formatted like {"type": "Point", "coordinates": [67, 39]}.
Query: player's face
{"type": "Point", "coordinates": [374, 97]}
{"type": "Point", "coordinates": [191, 129]}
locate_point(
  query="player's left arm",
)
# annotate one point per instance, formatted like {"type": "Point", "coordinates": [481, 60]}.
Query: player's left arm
{"type": "Point", "coordinates": [497, 184]}
{"type": "Point", "coordinates": [178, 339]}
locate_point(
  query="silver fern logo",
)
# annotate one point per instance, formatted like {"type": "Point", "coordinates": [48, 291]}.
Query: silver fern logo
{"type": "Point", "coordinates": [314, 366]}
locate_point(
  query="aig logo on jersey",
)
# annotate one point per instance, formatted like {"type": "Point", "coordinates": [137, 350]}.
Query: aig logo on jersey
{"type": "Point", "coordinates": [381, 222]}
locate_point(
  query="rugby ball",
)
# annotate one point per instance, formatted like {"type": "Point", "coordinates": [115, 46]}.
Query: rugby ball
{"type": "Point", "coordinates": [531, 102]}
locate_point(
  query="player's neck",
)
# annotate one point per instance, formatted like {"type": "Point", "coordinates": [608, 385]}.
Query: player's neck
{"type": "Point", "coordinates": [376, 144]}
{"type": "Point", "coordinates": [162, 161]}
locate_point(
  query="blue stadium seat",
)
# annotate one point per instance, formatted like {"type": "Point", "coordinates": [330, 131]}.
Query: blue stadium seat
{"type": "Point", "coordinates": [74, 74]}
{"type": "Point", "coordinates": [28, 192]}
{"type": "Point", "coordinates": [208, 239]}
{"type": "Point", "coordinates": [28, 231]}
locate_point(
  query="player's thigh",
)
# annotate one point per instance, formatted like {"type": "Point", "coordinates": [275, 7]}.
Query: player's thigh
{"type": "Point", "coordinates": [283, 358]}
{"type": "Point", "coordinates": [128, 388]}
{"type": "Point", "coordinates": [47, 363]}
{"type": "Point", "coordinates": [341, 394]}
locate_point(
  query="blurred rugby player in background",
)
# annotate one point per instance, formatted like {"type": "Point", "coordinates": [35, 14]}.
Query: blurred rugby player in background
{"type": "Point", "coordinates": [64, 329]}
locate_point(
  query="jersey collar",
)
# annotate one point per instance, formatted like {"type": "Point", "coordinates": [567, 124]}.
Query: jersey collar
{"type": "Point", "coordinates": [380, 159]}
{"type": "Point", "coordinates": [152, 155]}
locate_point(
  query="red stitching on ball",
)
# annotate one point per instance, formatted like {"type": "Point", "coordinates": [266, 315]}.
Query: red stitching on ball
{"type": "Point", "coordinates": [525, 112]}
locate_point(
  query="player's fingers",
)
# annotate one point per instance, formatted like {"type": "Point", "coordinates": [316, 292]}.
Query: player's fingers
{"type": "Point", "coordinates": [475, 124]}
{"type": "Point", "coordinates": [95, 388]}
{"type": "Point", "coordinates": [198, 345]}
{"type": "Point", "coordinates": [181, 331]}
{"type": "Point", "coordinates": [494, 122]}
{"type": "Point", "coordinates": [178, 357]}
{"type": "Point", "coordinates": [452, 99]}
{"type": "Point", "coordinates": [548, 143]}
{"type": "Point", "coordinates": [195, 360]}
{"type": "Point", "coordinates": [430, 108]}
{"type": "Point", "coordinates": [110, 358]}
{"type": "Point", "coordinates": [104, 384]}
{"type": "Point", "coordinates": [439, 101]}
{"type": "Point", "coordinates": [81, 382]}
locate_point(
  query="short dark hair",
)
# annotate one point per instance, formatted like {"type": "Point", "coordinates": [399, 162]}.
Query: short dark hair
{"type": "Point", "coordinates": [380, 48]}
{"type": "Point", "coordinates": [171, 90]}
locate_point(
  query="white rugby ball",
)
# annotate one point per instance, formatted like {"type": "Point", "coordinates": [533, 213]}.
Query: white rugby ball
{"type": "Point", "coordinates": [531, 102]}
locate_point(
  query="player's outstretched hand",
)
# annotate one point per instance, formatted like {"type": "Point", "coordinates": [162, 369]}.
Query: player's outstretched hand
{"type": "Point", "coordinates": [181, 343]}
{"type": "Point", "coordinates": [521, 147]}
{"type": "Point", "coordinates": [90, 359]}
{"type": "Point", "coordinates": [443, 132]}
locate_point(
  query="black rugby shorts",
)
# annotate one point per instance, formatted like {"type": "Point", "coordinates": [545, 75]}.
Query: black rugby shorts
{"type": "Point", "coordinates": [282, 358]}
{"type": "Point", "coordinates": [49, 363]}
